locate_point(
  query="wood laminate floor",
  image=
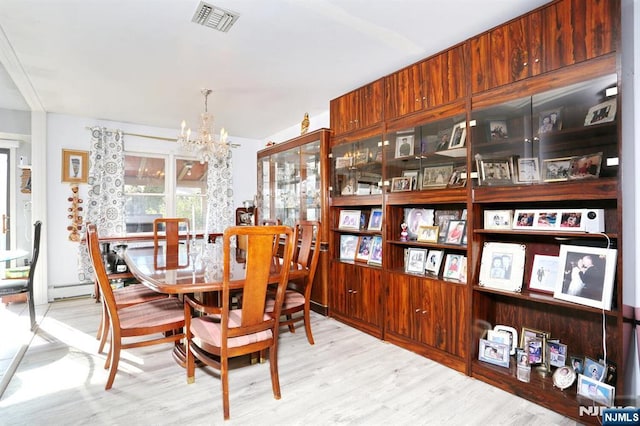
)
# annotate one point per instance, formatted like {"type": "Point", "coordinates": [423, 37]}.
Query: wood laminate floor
{"type": "Point", "coordinates": [347, 377]}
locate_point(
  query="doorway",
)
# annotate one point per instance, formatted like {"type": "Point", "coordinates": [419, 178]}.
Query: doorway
{"type": "Point", "coordinates": [5, 237]}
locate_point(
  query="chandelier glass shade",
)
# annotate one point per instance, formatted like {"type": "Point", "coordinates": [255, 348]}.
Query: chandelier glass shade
{"type": "Point", "coordinates": [204, 145]}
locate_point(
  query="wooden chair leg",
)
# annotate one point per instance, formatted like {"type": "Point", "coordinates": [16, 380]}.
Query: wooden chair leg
{"type": "Point", "coordinates": [307, 326]}
{"type": "Point", "coordinates": [190, 364]}
{"type": "Point", "coordinates": [273, 366]}
{"type": "Point", "coordinates": [292, 327]}
{"type": "Point", "coordinates": [106, 324]}
{"type": "Point", "coordinates": [224, 378]}
{"type": "Point", "coordinates": [114, 350]}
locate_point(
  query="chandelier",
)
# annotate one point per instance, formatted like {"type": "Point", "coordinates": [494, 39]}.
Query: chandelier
{"type": "Point", "coordinates": [204, 146]}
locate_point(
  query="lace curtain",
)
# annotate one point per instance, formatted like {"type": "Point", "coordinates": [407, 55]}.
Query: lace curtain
{"type": "Point", "coordinates": [105, 206]}
{"type": "Point", "coordinates": [220, 207]}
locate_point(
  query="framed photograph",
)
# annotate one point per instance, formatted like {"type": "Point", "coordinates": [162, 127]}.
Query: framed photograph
{"type": "Point", "coordinates": [556, 169]}
{"type": "Point", "coordinates": [522, 357]}
{"type": "Point", "coordinates": [455, 232]}
{"type": "Point", "coordinates": [434, 259]}
{"type": "Point", "coordinates": [442, 218]}
{"type": "Point", "coordinates": [577, 364]}
{"type": "Point", "coordinates": [75, 166]}
{"type": "Point", "coordinates": [375, 258]}
{"type": "Point", "coordinates": [502, 266]}
{"type": "Point", "coordinates": [550, 120]}
{"type": "Point", "coordinates": [413, 174]}
{"type": "Point", "coordinates": [428, 234]}
{"type": "Point", "coordinates": [348, 247]}
{"type": "Point", "coordinates": [587, 275]}
{"type": "Point", "coordinates": [602, 113]}
{"type": "Point", "coordinates": [375, 220]}
{"type": "Point", "coordinates": [348, 186]}
{"type": "Point", "coordinates": [544, 273]}
{"type": "Point", "coordinates": [458, 177]}
{"type": "Point", "coordinates": [349, 219]}
{"type": "Point", "coordinates": [415, 218]}
{"type": "Point", "coordinates": [364, 248]}
{"type": "Point", "coordinates": [496, 172]}
{"type": "Point", "coordinates": [463, 270]}
{"type": "Point", "coordinates": [534, 342]}
{"type": "Point", "coordinates": [594, 369]}
{"type": "Point", "coordinates": [452, 266]}
{"type": "Point", "coordinates": [586, 166]}
{"type": "Point", "coordinates": [546, 219]}
{"type": "Point", "coordinates": [401, 184]}
{"type": "Point", "coordinates": [595, 390]}
{"type": "Point", "coordinates": [524, 219]}
{"type": "Point", "coordinates": [563, 377]}
{"type": "Point", "coordinates": [344, 162]}
{"type": "Point", "coordinates": [557, 354]}
{"type": "Point", "coordinates": [494, 353]}
{"type": "Point", "coordinates": [571, 220]}
{"type": "Point", "coordinates": [528, 170]}
{"type": "Point", "coordinates": [436, 176]}
{"type": "Point", "coordinates": [444, 137]}
{"type": "Point", "coordinates": [416, 259]}
{"type": "Point", "coordinates": [497, 219]}
{"type": "Point", "coordinates": [458, 135]}
{"type": "Point", "coordinates": [511, 332]}
{"type": "Point", "coordinates": [429, 144]}
{"type": "Point", "coordinates": [404, 146]}
{"type": "Point", "coordinates": [498, 129]}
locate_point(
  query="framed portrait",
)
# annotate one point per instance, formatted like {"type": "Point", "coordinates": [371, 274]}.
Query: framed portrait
{"type": "Point", "coordinates": [452, 266]}
{"type": "Point", "coordinates": [498, 219]}
{"type": "Point", "coordinates": [563, 377]}
{"type": "Point", "coordinates": [524, 219]}
{"type": "Point", "coordinates": [442, 218]}
{"type": "Point", "coordinates": [498, 130]}
{"type": "Point", "coordinates": [458, 135]}
{"type": "Point", "coordinates": [436, 176]}
{"type": "Point", "coordinates": [550, 121]}
{"type": "Point", "coordinates": [344, 162]}
{"type": "Point", "coordinates": [494, 353]}
{"type": "Point", "coordinates": [375, 220]}
{"type": "Point", "coordinates": [75, 166]}
{"type": "Point", "coordinates": [348, 186]}
{"type": "Point", "coordinates": [586, 166]}
{"type": "Point", "coordinates": [557, 354]}
{"type": "Point", "coordinates": [375, 258]}
{"type": "Point", "coordinates": [577, 364]}
{"type": "Point", "coordinates": [428, 234]}
{"type": "Point", "coordinates": [413, 174]}
{"type": "Point", "coordinates": [434, 259]}
{"type": "Point", "coordinates": [349, 219]}
{"type": "Point", "coordinates": [361, 156]}
{"type": "Point", "coordinates": [404, 146]}
{"type": "Point", "coordinates": [586, 276]}
{"type": "Point", "coordinates": [463, 270]}
{"type": "Point", "coordinates": [594, 369]}
{"type": "Point", "coordinates": [512, 334]}
{"type": "Point", "coordinates": [534, 343]}
{"type": "Point", "coordinates": [348, 247]}
{"type": "Point", "coordinates": [430, 144]}
{"type": "Point", "coordinates": [414, 218]}
{"type": "Point", "coordinates": [502, 266]}
{"type": "Point", "coordinates": [522, 357]}
{"type": "Point", "coordinates": [546, 219]}
{"type": "Point", "coordinates": [602, 113]}
{"type": "Point", "coordinates": [556, 169]}
{"type": "Point", "coordinates": [444, 137]}
{"type": "Point", "coordinates": [528, 170]}
{"type": "Point", "coordinates": [416, 259]}
{"type": "Point", "coordinates": [401, 184]}
{"type": "Point", "coordinates": [571, 220]}
{"type": "Point", "coordinates": [455, 231]}
{"type": "Point", "coordinates": [596, 391]}
{"type": "Point", "coordinates": [458, 177]}
{"type": "Point", "coordinates": [544, 273]}
{"type": "Point", "coordinates": [364, 248]}
{"type": "Point", "coordinates": [496, 171]}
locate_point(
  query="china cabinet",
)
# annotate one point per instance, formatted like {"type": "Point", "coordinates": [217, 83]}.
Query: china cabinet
{"type": "Point", "coordinates": [292, 186]}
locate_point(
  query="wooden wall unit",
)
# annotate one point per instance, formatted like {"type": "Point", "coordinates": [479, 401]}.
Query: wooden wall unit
{"type": "Point", "coordinates": [359, 109]}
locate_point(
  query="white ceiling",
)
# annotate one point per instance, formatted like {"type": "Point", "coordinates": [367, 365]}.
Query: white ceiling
{"type": "Point", "coordinates": [145, 62]}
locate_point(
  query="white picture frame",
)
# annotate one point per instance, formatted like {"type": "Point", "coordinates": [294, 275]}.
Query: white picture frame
{"type": "Point", "coordinates": [587, 275]}
{"type": "Point", "coordinates": [348, 246]}
{"type": "Point", "coordinates": [498, 219]}
{"type": "Point", "coordinates": [596, 391]}
{"type": "Point", "coordinates": [375, 258]}
{"type": "Point", "coordinates": [502, 266]}
{"type": "Point", "coordinates": [404, 146]}
{"type": "Point", "coordinates": [458, 135]}
{"type": "Point", "coordinates": [571, 220]}
{"type": "Point", "coordinates": [494, 352]}
{"type": "Point", "coordinates": [544, 273]}
{"type": "Point", "coordinates": [528, 170]}
{"type": "Point", "coordinates": [416, 258]}
{"type": "Point", "coordinates": [433, 262]}
{"type": "Point", "coordinates": [524, 219]}
{"type": "Point", "coordinates": [604, 112]}
{"type": "Point", "coordinates": [375, 220]}
{"type": "Point", "coordinates": [452, 266]}
{"type": "Point", "coordinates": [349, 219]}
{"type": "Point", "coordinates": [545, 220]}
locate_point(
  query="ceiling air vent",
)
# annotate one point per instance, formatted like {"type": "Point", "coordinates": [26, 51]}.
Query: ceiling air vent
{"type": "Point", "coordinates": [214, 17]}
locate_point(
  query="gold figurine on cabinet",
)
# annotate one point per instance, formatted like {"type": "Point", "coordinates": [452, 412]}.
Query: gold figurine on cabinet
{"type": "Point", "coordinates": [304, 126]}
{"type": "Point", "coordinates": [74, 215]}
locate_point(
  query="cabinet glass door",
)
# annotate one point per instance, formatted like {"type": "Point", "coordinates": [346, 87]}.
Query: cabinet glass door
{"type": "Point", "coordinates": [357, 168]}
{"type": "Point", "coordinates": [310, 182]}
{"type": "Point", "coordinates": [286, 166]}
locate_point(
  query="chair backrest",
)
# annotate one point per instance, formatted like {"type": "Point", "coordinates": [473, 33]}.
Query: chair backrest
{"type": "Point", "coordinates": [260, 265]}
{"type": "Point", "coordinates": [306, 253]}
{"type": "Point", "coordinates": [93, 246]}
{"type": "Point", "coordinates": [36, 252]}
{"type": "Point", "coordinates": [171, 226]}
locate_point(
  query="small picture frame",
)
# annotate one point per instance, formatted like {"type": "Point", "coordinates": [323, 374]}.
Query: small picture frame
{"type": "Point", "coordinates": [587, 275]}
{"type": "Point", "coordinates": [344, 162]}
{"type": "Point", "coordinates": [348, 246]}
{"type": "Point", "coordinates": [375, 220]}
{"type": "Point", "coordinates": [401, 184]}
{"type": "Point", "coordinates": [496, 172]}
{"type": "Point", "coordinates": [502, 266]}
{"type": "Point", "coordinates": [498, 219]}
{"type": "Point", "coordinates": [534, 343]}
{"type": "Point", "coordinates": [463, 270]}
{"type": "Point", "coordinates": [458, 136]}
{"type": "Point", "coordinates": [550, 121]}
{"type": "Point", "coordinates": [361, 156]}
{"type": "Point", "coordinates": [594, 369]}
{"type": "Point", "coordinates": [75, 166]}
{"type": "Point", "coordinates": [563, 377]}
{"type": "Point", "coordinates": [557, 354]}
{"type": "Point", "coordinates": [546, 220]}
{"type": "Point", "coordinates": [444, 137]}
{"type": "Point", "coordinates": [511, 332]}
{"type": "Point", "coordinates": [436, 176]}
{"type": "Point", "coordinates": [524, 219]}
{"type": "Point", "coordinates": [544, 273]}
{"type": "Point", "coordinates": [442, 218]}
{"type": "Point", "coordinates": [571, 220]}
{"type": "Point", "coordinates": [556, 169]}
{"type": "Point", "coordinates": [455, 232]}
{"type": "Point", "coordinates": [522, 357]}
{"type": "Point", "coordinates": [498, 130]}
{"type": "Point", "coordinates": [428, 234]}
{"type": "Point", "coordinates": [404, 146]}
{"type": "Point", "coordinates": [349, 219]}
{"type": "Point", "coordinates": [597, 391]}
{"type": "Point", "coordinates": [458, 177]}
{"type": "Point", "coordinates": [364, 248]}
{"type": "Point", "coordinates": [375, 258]}
{"type": "Point", "coordinates": [577, 364]}
{"type": "Point", "coordinates": [415, 218]}
{"type": "Point", "coordinates": [416, 259]}
{"type": "Point", "coordinates": [586, 166]}
{"type": "Point", "coordinates": [452, 266]}
{"type": "Point", "coordinates": [528, 170]}
{"type": "Point", "coordinates": [494, 353]}
{"type": "Point", "coordinates": [604, 112]}
{"type": "Point", "coordinates": [413, 174]}
{"type": "Point", "coordinates": [434, 259]}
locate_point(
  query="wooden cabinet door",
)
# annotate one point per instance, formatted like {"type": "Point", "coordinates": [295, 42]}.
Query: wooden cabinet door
{"type": "Point", "coordinates": [370, 100]}
{"type": "Point", "coordinates": [445, 77]}
{"type": "Point", "coordinates": [400, 307]}
{"type": "Point", "coordinates": [339, 288]}
{"type": "Point", "coordinates": [403, 91]}
{"type": "Point", "coordinates": [344, 112]}
{"type": "Point", "coordinates": [366, 303]}
{"type": "Point", "coordinates": [578, 30]}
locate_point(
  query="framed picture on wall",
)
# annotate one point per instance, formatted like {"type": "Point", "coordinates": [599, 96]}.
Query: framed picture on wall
{"type": "Point", "coordinates": [75, 166]}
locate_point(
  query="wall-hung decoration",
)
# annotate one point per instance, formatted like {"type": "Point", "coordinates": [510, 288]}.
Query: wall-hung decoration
{"type": "Point", "coordinates": [75, 166]}
{"type": "Point", "coordinates": [75, 215]}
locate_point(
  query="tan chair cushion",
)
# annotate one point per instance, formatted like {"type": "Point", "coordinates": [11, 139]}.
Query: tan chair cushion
{"type": "Point", "coordinates": [151, 314]}
{"type": "Point", "coordinates": [209, 331]}
{"type": "Point", "coordinates": [292, 299]}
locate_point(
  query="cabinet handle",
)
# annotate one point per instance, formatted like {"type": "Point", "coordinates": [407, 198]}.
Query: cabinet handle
{"type": "Point", "coordinates": [525, 64]}
{"type": "Point", "coordinates": [424, 312]}
{"type": "Point", "coordinates": [417, 310]}
{"type": "Point", "coordinates": [536, 60]}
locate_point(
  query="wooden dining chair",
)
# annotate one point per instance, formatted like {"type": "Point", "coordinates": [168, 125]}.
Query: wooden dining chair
{"type": "Point", "coordinates": [226, 332]}
{"type": "Point", "coordinates": [11, 286]}
{"type": "Point", "coordinates": [298, 295]}
{"type": "Point", "coordinates": [170, 228]}
{"type": "Point", "coordinates": [163, 318]}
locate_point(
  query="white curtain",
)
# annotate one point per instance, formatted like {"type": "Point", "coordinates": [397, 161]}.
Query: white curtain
{"type": "Point", "coordinates": [105, 206]}
{"type": "Point", "coordinates": [220, 210]}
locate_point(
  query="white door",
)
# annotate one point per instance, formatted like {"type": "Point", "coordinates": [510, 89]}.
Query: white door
{"type": "Point", "coordinates": [4, 199]}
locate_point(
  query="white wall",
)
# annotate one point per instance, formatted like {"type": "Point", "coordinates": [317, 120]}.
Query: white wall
{"type": "Point", "coordinates": [316, 122]}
